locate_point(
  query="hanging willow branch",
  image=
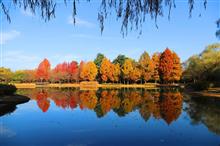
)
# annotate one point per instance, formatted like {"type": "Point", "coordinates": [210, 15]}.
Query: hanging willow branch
{"type": "Point", "coordinates": [132, 13]}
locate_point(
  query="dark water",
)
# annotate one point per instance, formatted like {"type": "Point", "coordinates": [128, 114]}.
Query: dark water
{"type": "Point", "coordinates": [111, 117]}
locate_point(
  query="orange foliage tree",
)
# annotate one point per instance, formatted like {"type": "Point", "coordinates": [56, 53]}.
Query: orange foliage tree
{"type": "Point", "coordinates": [135, 74]}
{"type": "Point", "coordinates": [166, 66]}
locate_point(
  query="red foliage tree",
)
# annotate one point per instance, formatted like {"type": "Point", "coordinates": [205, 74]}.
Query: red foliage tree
{"type": "Point", "coordinates": [61, 71]}
{"type": "Point", "coordinates": [65, 72]}
{"type": "Point", "coordinates": [166, 65]}
{"type": "Point", "coordinates": [73, 70]}
{"type": "Point", "coordinates": [43, 70]}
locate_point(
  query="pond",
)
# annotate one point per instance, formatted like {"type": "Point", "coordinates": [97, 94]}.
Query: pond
{"type": "Point", "coordinates": [72, 117]}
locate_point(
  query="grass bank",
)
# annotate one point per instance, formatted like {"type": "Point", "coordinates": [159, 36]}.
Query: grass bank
{"type": "Point", "coordinates": [85, 85]}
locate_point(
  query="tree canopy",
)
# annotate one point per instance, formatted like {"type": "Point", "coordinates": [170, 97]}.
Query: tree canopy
{"type": "Point", "coordinates": [204, 66]}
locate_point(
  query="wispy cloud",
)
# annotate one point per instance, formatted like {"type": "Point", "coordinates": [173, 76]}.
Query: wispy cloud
{"type": "Point", "coordinates": [20, 60]}
{"type": "Point", "coordinates": [81, 22]}
{"type": "Point", "coordinates": [7, 36]}
{"type": "Point", "coordinates": [5, 132]}
{"type": "Point", "coordinates": [27, 12]}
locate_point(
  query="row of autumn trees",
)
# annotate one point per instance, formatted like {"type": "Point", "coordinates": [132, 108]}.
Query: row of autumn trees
{"type": "Point", "coordinates": [162, 67]}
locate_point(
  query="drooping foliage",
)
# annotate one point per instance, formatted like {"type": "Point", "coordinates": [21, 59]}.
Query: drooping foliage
{"type": "Point", "coordinates": [131, 13]}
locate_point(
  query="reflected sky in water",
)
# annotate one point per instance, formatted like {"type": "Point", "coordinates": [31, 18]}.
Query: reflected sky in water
{"type": "Point", "coordinates": [111, 117]}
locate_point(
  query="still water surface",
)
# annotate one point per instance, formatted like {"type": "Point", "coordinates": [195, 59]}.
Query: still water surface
{"type": "Point", "coordinates": [111, 117]}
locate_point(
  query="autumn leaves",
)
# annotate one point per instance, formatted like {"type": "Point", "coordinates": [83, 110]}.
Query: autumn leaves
{"type": "Point", "coordinates": [88, 71]}
{"type": "Point", "coordinates": [169, 67]}
{"type": "Point", "coordinates": [109, 71]}
{"type": "Point", "coordinates": [162, 67]}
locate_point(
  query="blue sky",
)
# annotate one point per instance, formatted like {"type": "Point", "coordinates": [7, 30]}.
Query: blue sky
{"type": "Point", "coordinates": [27, 39]}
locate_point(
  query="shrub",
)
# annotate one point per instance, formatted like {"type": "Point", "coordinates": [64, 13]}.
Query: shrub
{"type": "Point", "coordinates": [201, 85]}
{"type": "Point", "coordinates": [7, 89]}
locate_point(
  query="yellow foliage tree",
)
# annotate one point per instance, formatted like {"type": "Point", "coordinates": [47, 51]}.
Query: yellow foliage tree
{"type": "Point", "coordinates": [146, 66]}
{"type": "Point", "coordinates": [105, 69]}
{"type": "Point", "coordinates": [155, 62]}
{"type": "Point", "coordinates": [135, 74]}
{"type": "Point", "coordinates": [116, 72]}
{"type": "Point", "coordinates": [88, 71]}
{"type": "Point", "coordinates": [177, 69]}
{"type": "Point", "coordinates": [127, 68]}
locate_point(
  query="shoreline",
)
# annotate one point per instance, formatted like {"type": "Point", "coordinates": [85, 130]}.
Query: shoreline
{"type": "Point", "coordinates": [211, 92]}
{"type": "Point", "coordinates": [90, 85]}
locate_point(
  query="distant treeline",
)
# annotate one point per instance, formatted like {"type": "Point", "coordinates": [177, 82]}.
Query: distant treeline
{"type": "Point", "coordinates": [161, 67]}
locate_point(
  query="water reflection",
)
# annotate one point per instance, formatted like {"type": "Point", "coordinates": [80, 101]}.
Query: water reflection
{"type": "Point", "coordinates": [112, 117]}
{"type": "Point", "coordinates": [204, 110]}
{"type": "Point", "coordinates": [160, 105]}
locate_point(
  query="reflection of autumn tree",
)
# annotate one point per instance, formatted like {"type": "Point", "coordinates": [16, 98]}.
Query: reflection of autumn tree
{"type": "Point", "coordinates": [108, 100]}
{"type": "Point", "coordinates": [147, 105]}
{"type": "Point", "coordinates": [88, 99]}
{"type": "Point", "coordinates": [171, 106]}
{"type": "Point", "coordinates": [130, 101]}
{"type": "Point", "coordinates": [166, 105]}
{"type": "Point", "coordinates": [42, 100]}
{"type": "Point", "coordinates": [65, 99]}
{"type": "Point", "coordinates": [156, 105]}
